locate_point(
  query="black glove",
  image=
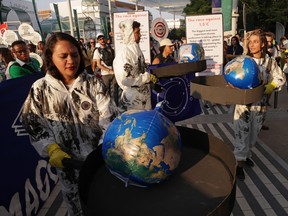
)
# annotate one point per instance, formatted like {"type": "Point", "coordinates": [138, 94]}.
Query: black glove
{"type": "Point", "coordinates": [156, 87]}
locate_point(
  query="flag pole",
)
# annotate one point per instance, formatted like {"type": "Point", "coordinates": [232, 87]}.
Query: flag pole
{"type": "Point", "coordinates": [36, 15]}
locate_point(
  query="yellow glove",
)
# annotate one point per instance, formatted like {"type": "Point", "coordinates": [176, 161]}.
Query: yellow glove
{"type": "Point", "coordinates": [153, 78]}
{"type": "Point", "coordinates": [56, 155]}
{"type": "Point", "coordinates": [269, 87]}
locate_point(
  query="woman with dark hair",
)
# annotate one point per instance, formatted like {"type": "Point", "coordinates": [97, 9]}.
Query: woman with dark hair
{"type": "Point", "coordinates": [235, 49]}
{"type": "Point", "coordinates": [166, 50]}
{"type": "Point", "coordinates": [248, 119]}
{"type": "Point", "coordinates": [66, 112]}
{"type": "Point", "coordinates": [6, 58]}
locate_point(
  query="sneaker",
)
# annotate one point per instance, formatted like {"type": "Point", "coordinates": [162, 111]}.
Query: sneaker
{"type": "Point", "coordinates": [240, 173]}
{"type": "Point", "coordinates": [249, 162]}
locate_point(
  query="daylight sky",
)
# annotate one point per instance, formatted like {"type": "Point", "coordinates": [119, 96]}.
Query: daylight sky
{"type": "Point", "coordinates": [44, 4]}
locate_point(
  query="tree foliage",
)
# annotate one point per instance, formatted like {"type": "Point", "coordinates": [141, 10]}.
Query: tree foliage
{"type": "Point", "coordinates": [259, 13]}
{"type": "Point", "coordinates": [198, 7]}
{"type": "Point", "coordinates": [263, 14]}
{"type": "Point", "coordinates": [177, 34]}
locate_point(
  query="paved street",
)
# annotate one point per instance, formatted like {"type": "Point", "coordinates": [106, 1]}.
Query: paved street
{"type": "Point", "coordinates": [277, 120]}
{"type": "Point", "coordinates": [265, 189]}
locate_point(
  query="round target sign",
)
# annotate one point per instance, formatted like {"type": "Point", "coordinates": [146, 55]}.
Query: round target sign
{"type": "Point", "coordinates": [36, 38]}
{"type": "Point", "coordinates": [159, 29]}
{"type": "Point", "coordinates": [9, 37]}
{"type": "Point", "coordinates": [26, 31]}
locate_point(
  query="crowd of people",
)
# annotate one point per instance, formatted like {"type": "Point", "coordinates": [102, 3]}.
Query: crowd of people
{"type": "Point", "coordinates": [20, 59]}
{"type": "Point", "coordinates": [67, 111]}
{"type": "Point", "coordinates": [235, 46]}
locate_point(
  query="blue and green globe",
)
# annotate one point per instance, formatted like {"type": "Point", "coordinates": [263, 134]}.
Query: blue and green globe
{"type": "Point", "coordinates": [191, 52]}
{"type": "Point", "coordinates": [142, 147]}
{"type": "Point", "coordinates": [242, 72]}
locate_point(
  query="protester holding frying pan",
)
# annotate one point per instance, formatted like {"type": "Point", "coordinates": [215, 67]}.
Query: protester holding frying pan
{"type": "Point", "coordinates": [67, 112]}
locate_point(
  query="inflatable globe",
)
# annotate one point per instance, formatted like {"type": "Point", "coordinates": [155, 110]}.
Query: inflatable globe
{"type": "Point", "coordinates": [142, 148]}
{"type": "Point", "coordinates": [242, 72]}
{"type": "Point", "coordinates": [191, 52]}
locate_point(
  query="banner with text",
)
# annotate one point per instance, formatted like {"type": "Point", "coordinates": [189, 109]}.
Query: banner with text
{"type": "Point", "coordinates": [207, 30]}
{"type": "Point", "coordinates": [26, 179]}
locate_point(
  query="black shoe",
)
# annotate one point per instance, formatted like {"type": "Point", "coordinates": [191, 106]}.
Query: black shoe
{"type": "Point", "coordinates": [240, 173]}
{"type": "Point", "coordinates": [264, 127]}
{"type": "Point", "coordinates": [206, 106]}
{"type": "Point", "coordinates": [249, 162]}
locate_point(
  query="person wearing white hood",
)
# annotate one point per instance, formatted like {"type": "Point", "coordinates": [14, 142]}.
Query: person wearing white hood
{"type": "Point", "coordinates": [131, 71]}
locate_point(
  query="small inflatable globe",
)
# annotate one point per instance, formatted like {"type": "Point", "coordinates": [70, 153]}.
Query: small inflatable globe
{"type": "Point", "coordinates": [242, 72]}
{"type": "Point", "coordinates": [142, 147]}
{"type": "Point", "coordinates": [191, 52]}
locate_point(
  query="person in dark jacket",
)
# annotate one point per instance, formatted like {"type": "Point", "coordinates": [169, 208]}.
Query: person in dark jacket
{"type": "Point", "coordinates": [235, 49]}
{"type": "Point", "coordinates": [66, 113]}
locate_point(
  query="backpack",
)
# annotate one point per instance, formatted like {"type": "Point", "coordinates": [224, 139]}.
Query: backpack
{"type": "Point", "coordinates": [107, 55]}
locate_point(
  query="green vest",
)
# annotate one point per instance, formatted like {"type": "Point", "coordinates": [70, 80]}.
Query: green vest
{"type": "Point", "coordinates": [16, 70]}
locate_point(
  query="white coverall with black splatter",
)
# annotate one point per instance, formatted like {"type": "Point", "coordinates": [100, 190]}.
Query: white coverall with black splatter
{"type": "Point", "coordinates": [248, 119]}
{"type": "Point", "coordinates": [75, 119]}
{"type": "Point", "coordinates": [131, 72]}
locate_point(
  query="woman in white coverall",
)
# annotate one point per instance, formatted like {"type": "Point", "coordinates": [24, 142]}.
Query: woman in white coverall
{"type": "Point", "coordinates": [131, 71]}
{"type": "Point", "coordinates": [66, 112]}
{"type": "Point", "coordinates": [248, 119]}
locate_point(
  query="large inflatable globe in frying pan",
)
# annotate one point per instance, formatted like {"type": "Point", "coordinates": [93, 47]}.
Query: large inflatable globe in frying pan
{"type": "Point", "coordinates": [191, 52]}
{"type": "Point", "coordinates": [142, 147]}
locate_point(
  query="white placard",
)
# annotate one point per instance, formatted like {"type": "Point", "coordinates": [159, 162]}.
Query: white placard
{"type": "Point", "coordinates": [37, 57]}
{"type": "Point", "coordinates": [207, 30]}
{"type": "Point", "coordinates": [9, 37]}
{"type": "Point", "coordinates": [159, 29]}
{"type": "Point", "coordinates": [36, 38]}
{"type": "Point", "coordinates": [143, 18]}
{"type": "Point", "coordinates": [26, 31]}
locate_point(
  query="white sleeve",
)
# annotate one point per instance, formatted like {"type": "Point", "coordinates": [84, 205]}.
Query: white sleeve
{"type": "Point", "coordinates": [107, 109]}
{"type": "Point", "coordinates": [35, 124]}
{"type": "Point", "coordinates": [278, 76]}
{"type": "Point", "coordinates": [96, 54]}
{"type": "Point", "coordinates": [127, 70]}
{"type": "Point", "coordinates": [285, 68]}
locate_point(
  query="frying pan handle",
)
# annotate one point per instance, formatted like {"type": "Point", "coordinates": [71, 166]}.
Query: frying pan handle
{"type": "Point", "coordinates": [72, 163]}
